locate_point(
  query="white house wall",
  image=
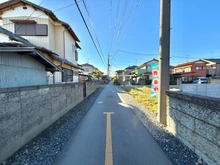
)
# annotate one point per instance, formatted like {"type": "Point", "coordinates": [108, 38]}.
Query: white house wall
{"type": "Point", "coordinates": [58, 77]}
{"type": "Point", "coordinates": [20, 14]}
{"type": "Point", "coordinates": [52, 36]}
{"type": "Point", "coordinates": [70, 48]}
{"type": "Point", "coordinates": [37, 40]}
{"type": "Point", "coordinates": [90, 70]}
{"type": "Point", "coordinates": [76, 78]}
{"type": "Point", "coordinates": [19, 11]}
{"type": "Point", "coordinates": [20, 70]}
{"type": "Point", "coordinates": [59, 46]}
{"type": "Point", "coordinates": [4, 38]}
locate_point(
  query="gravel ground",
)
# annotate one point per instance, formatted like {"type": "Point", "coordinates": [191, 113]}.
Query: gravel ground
{"type": "Point", "coordinates": [43, 149]}
{"type": "Point", "coordinates": [177, 152]}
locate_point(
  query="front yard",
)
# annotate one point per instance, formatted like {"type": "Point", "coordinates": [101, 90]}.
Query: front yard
{"type": "Point", "coordinates": [142, 96]}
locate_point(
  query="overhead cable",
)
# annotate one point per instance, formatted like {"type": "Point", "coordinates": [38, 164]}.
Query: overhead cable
{"type": "Point", "coordinates": [45, 14]}
{"type": "Point", "coordinates": [28, 17]}
{"type": "Point", "coordinates": [92, 24]}
{"type": "Point", "coordinates": [89, 33]}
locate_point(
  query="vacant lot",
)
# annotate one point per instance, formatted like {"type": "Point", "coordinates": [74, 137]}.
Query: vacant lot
{"type": "Point", "coordinates": [142, 96]}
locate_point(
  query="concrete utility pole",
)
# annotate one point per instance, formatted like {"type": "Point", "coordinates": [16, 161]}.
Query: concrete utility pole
{"type": "Point", "coordinates": [108, 69]}
{"type": "Point", "coordinates": [164, 59]}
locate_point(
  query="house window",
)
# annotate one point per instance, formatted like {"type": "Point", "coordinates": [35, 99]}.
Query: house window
{"type": "Point", "coordinates": [67, 75]}
{"type": "Point", "coordinates": [148, 67]}
{"type": "Point", "coordinates": [73, 48]}
{"type": "Point", "coordinates": [76, 55]}
{"type": "Point", "coordinates": [186, 70]}
{"type": "Point", "coordinates": [198, 67]}
{"type": "Point", "coordinates": [86, 69]}
{"type": "Point", "coordinates": [31, 29]}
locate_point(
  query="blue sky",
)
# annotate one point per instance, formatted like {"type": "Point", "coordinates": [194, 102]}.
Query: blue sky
{"type": "Point", "coordinates": [130, 34]}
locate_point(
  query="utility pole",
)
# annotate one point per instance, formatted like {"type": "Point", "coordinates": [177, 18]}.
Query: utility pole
{"type": "Point", "coordinates": [108, 69]}
{"type": "Point", "coordinates": [164, 59]}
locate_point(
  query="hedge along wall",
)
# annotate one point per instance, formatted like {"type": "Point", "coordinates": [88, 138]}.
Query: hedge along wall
{"type": "Point", "coordinates": [26, 111]}
{"type": "Point", "coordinates": [195, 120]}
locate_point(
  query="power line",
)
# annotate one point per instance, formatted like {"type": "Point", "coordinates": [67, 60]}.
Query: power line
{"type": "Point", "coordinates": [145, 54]}
{"type": "Point", "coordinates": [141, 54]}
{"type": "Point", "coordinates": [125, 29]}
{"type": "Point", "coordinates": [45, 14]}
{"type": "Point", "coordinates": [127, 26]}
{"type": "Point", "coordinates": [92, 24]}
{"type": "Point", "coordinates": [89, 32]}
{"type": "Point", "coordinates": [120, 24]}
{"type": "Point", "coordinates": [28, 17]}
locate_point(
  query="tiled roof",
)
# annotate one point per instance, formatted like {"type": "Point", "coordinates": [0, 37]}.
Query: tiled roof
{"type": "Point", "coordinates": [131, 67]}
{"type": "Point", "coordinates": [216, 60]}
{"type": "Point", "coordinates": [187, 63]}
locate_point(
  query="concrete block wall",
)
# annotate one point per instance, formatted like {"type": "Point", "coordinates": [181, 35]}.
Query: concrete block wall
{"type": "Point", "coordinates": [92, 85]}
{"type": "Point", "coordinates": [212, 90]}
{"type": "Point", "coordinates": [26, 111]}
{"type": "Point", "coordinates": [195, 120]}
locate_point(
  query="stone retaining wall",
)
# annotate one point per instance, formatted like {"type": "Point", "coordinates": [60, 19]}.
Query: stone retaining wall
{"type": "Point", "coordinates": [26, 111]}
{"type": "Point", "coordinates": [195, 120]}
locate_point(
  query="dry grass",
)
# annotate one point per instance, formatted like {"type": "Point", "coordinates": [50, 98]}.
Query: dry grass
{"type": "Point", "coordinates": [142, 96]}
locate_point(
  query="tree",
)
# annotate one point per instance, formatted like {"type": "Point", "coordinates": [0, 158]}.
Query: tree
{"type": "Point", "coordinates": [97, 74]}
{"type": "Point", "coordinates": [172, 80]}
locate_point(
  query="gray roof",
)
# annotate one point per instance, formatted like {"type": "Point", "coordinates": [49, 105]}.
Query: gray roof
{"type": "Point", "coordinates": [216, 60]}
{"type": "Point", "coordinates": [131, 67]}
{"type": "Point", "coordinates": [86, 64]}
{"type": "Point", "coordinates": [144, 64]}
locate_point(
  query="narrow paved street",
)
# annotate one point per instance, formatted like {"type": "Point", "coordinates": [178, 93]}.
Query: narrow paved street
{"type": "Point", "coordinates": [111, 134]}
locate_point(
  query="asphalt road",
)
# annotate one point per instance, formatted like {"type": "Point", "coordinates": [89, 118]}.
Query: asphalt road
{"type": "Point", "coordinates": [111, 134]}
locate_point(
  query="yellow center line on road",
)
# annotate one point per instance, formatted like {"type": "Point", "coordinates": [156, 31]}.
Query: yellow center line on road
{"type": "Point", "coordinates": [108, 148]}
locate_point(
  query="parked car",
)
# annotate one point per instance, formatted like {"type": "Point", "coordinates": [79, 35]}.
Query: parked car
{"type": "Point", "coordinates": [201, 80]}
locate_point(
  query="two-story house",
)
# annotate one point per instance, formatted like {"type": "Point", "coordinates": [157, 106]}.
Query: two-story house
{"type": "Point", "coordinates": [213, 67]}
{"type": "Point", "coordinates": [124, 76]}
{"type": "Point", "coordinates": [119, 75]}
{"type": "Point", "coordinates": [42, 29]}
{"type": "Point", "coordinates": [144, 75]}
{"type": "Point", "coordinates": [186, 72]}
{"type": "Point", "coordinates": [128, 73]}
{"type": "Point", "coordinates": [22, 65]}
{"type": "Point", "coordinates": [89, 69]}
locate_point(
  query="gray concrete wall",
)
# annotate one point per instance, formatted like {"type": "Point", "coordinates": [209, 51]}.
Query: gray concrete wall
{"type": "Point", "coordinates": [212, 90]}
{"type": "Point", "coordinates": [26, 111]}
{"type": "Point", "coordinates": [195, 120]}
{"type": "Point", "coordinates": [216, 80]}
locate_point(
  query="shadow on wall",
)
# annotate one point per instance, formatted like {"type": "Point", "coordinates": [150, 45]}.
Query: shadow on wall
{"type": "Point", "coordinates": [167, 141]}
{"type": "Point", "coordinates": [195, 120]}
{"type": "Point", "coordinates": [33, 109]}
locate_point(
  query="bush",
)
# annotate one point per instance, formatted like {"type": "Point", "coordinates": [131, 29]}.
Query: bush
{"type": "Point", "coordinates": [115, 81]}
